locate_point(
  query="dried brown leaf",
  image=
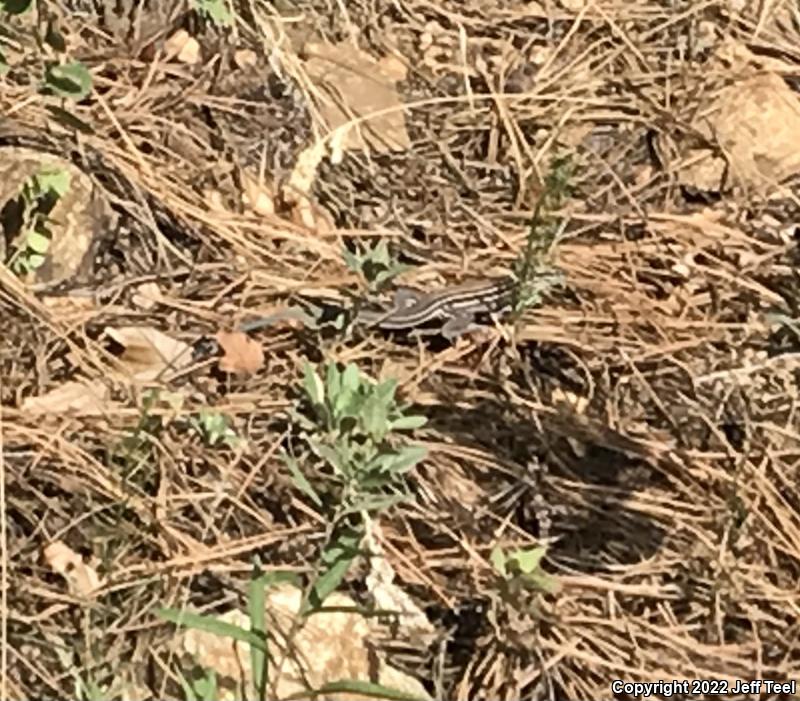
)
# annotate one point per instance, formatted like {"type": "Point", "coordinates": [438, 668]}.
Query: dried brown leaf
{"type": "Point", "coordinates": [183, 47]}
{"type": "Point", "coordinates": [150, 354]}
{"type": "Point", "coordinates": [756, 122]}
{"type": "Point", "coordinates": [241, 353]}
{"type": "Point", "coordinates": [82, 396]}
{"type": "Point", "coordinates": [364, 87]}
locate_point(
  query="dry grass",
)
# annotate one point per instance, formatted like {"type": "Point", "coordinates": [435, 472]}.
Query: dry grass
{"type": "Point", "coordinates": [671, 490]}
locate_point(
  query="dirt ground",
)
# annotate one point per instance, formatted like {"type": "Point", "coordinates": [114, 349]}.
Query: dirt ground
{"type": "Point", "coordinates": [640, 420]}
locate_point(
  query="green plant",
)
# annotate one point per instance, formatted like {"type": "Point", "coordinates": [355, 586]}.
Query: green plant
{"type": "Point", "coordinates": [200, 687]}
{"type": "Point", "coordinates": [30, 215]}
{"type": "Point", "coordinates": [347, 426]}
{"type": "Point", "coordinates": [377, 265]}
{"type": "Point", "coordinates": [217, 11]}
{"type": "Point", "coordinates": [64, 79]}
{"type": "Point", "coordinates": [534, 273]}
{"type": "Point", "coordinates": [346, 431]}
{"type": "Point", "coordinates": [70, 80]}
{"type": "Point", "coordinates": [214, 427]}
{"type": "Point", "coordinates": [521, 570]}
{"type": "Point", "coordinates": [88, 689]}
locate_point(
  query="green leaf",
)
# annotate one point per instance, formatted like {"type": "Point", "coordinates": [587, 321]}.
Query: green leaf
{"type": "Point", "coordinates": [406, 458]}
{"type": "Point", "coordinates": [386, 390]}
{"type": "Point", "coordinates": [300, 480]}
{"type": "Point", "coordinates": [34, 261]}
{"type": "Point", "coordinates": [333, 382]}
{"type": "Point", "coordinates": [528, 560]}
{"type": "Point", "coordinates": [353, 406]}
{"type": "Point", "coordinates": [15, 7]}
{"type": "Point", "coordinates": [542, 581]}
{"type": "Point", "coordinates": [374, 416]}
{"type": "Point", "coordinates": [374, 504]}
{"type": "Point", "coordinates": [333, 457]}
{"type": "Point", "coordinates": [212, 625]}
{"type": "Point", "coordinates": [351, 261]}
{"type": "Point", "coordinates": [351, 378]}
{"type": "Point", "coordinates": [189, 693]}
{"type": "Point", "coordinates": [342, 404]}
{"type": "Point", "coordinates": [205, 688]}
{"type": "Point", "coordinates": [277, 577]}
{"type": "Point", "coordinates": [56, 180]}
{"type": "Point", "coordinates": [69, 80]}
{"type": "Point", "coordinates": [338, 557]}
{"type": "Point", "coordinates": [216, 10]}
{"type": "Point", "coordinates": [386, 275]}
{"type": "Point", "coordinates": [379, 461]}
{"type": "Point", "coordinates": [37, 242]}
{"type": "Point", "coordinates": [406, 423]}
{"type": "Point", "coordinates": [498, 560]}
{"type": "Point", "coordinates": [350, 384]}
{"type": "Point", "coordinates": [312, 383]}
{"type": "Point", "coordinates": [329, 581]}
{"type": "Point", "coordinates": [213, 427]}
{"type": "Point", "coordinates": [380, 254]}
{"type": "Point", "coordinates": [346, 540]}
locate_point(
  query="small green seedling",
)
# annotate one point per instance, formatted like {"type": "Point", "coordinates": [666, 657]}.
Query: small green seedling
{"type": "Point", "coordinates": [39, 196]}
{"type": "Point", "coordinates": [201, 685]}
{"type": "Point", "coordinates": [217, 11]}
{"type": "Point", "coordinates": [535, 273]}
{"type": "Point", "coordinates": [70, 80]}
{"type": "Point", "coordinates": [214, 427]}
{"type": "Point", "coordinates": [377, 265]}
{"type": "Point", "coordinates": [88, 689]}
{"type": "Point", "coordinates": [521, 569]}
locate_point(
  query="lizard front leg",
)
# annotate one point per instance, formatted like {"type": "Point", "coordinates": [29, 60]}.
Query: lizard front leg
{"type": "Point", "coordinates": [458, 325]}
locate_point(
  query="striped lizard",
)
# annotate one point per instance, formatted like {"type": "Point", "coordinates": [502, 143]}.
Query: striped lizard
{"type": "Point", "coordinates": [456, 306]}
